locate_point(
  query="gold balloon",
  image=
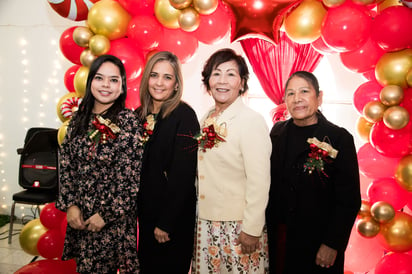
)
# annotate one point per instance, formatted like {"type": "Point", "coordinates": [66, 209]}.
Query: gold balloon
{"type": "Point", "coordinates": [363, 128]}
{"type": "Point", "coordinates": [392, 68]}
{"type": "Point", "coordinates": [180, 4]}
{"type": "Point", "coordinates": [99, 44]}
{"type": "Point", "coordinates": [373, 111]}
{"type": "Point", "coordinates": [167, 15]}
{"type": "Point", "coordinates": [61, 133]}
{"type": "Point", "coordinates": [82, 35]}
{"type": "Point", "coordinates": [29, 236]}
{"type": "Point", "coordinates": [87, 57]}
{"type": "Point", "coordinates": [397, 235]}
{"type": "Point", "coordinates": [80, 81]}
{"type": "Point", "coordinates": [396, 117]}
{"type": "Point", "coordinates": [391, 95]}
{"type": "Point", "coordinates": [363, 2]}
{"type": "Point", "coordinates": [205, 7]}
{"type": "Point", "coordinates": [59, 105]}
{"type": "Point", "coordinates": [333, 3]}
{"type": "Point", "coordinates": [368, 227]}
{"type": "Point", "coordinates": [403, 173]}
{"type": "Point", "coordinates": [108, 18]}
{"type": "Point", "coordinates": [304, 23]}
{"type": "Point", "coordinates": [189, 19]}
{"type": "Point", "coordinates": [409, 77]}
{"type": "Point", "coordinates": [382, 212]}
{"type": "Point", "coordinates": [365, 209]}
{"type": "Point", "coordinates": [388, 3]}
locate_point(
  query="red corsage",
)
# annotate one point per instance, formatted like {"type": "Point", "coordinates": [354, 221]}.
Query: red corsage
{"type": "Point", "coordinates": [211, 134]}
{"type": "Point", "coordinates": [320, 152]}
{"type": "Point", "coordinates": [148, 127]}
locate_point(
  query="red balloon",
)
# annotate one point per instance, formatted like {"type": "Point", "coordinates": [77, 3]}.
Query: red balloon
{"type": "Point", "coordinates": [69, 77]}
{"type": "Point", "coordinates": [390, 142]}
{"type": "Point", "coordinates": [391, 29]}
{"type": "Point", "coordinates": [213, 27]}
{"type": "Point", "coordinates": [320, 46]}
{"type": "Point", "coordinates": [346, 27]}
{"type": "Point", "coordinates": [49, 266]}
{"type": "Point", "coordinates": [369, 75]}
{"type": "Point", "coordinates": [133, 94]}
{"type": "Point", "coordinates": [138, 7]}
{"type": "Point", "coordinates": [375, 165]}
{"type": "Point", "coordinates": [362, 253]}
{"type": "Point", "coordinates": [388, 190]}
{"type": "Point", "coordinates": [407, 101]}
{"type": "Point", "coordinates": [50, 244]}
{"type": "Point", "coordinates": [131, 56]}
{"type": "Point", "coordinates": [69, 48]}
{"type": "Point", "coordinates": [145, 31]}
{"type": "Point", "coordinates": [364, 185]}
{"type": "Point", "coordinates": [258, 18]}
{"type": "Point", "coordinates": [51, 217]}
{"type": "Point", "coordinates": [365, 93]}
{"type": "Point", "coordinates": [394, 263]}
{"type": "Point", "coordinates": [63, 227]}
{"type": "Point", "coordinates": [362, 59]}
{"type": "Point", "coordinates": [181, 43]}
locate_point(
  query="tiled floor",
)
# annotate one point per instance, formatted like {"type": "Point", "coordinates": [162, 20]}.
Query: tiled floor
{"type": "Point", "coordinates": [12, 257]}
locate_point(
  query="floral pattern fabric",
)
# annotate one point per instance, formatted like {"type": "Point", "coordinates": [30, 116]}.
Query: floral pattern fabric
{"type": "Point", "coordinates": [106, 183]}
{"type": "Point", "coordinates": [217, 253]}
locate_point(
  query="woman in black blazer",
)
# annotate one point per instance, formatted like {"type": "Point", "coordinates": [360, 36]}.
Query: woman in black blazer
{"type": "Point", "coordinates": [315, 195]}
{"type": "Point", "coordinates": [167, 195]}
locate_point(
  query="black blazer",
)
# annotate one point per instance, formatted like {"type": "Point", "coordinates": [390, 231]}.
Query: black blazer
{"type": "Point", "coordinates": [315, 208]}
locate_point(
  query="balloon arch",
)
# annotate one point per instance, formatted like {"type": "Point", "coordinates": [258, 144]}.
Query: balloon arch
{"type": "Point", "coordinates": [372, 37]}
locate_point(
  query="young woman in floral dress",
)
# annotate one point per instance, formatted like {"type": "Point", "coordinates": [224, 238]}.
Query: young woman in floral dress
{"type": "Point", "coordinates": [100, 163]}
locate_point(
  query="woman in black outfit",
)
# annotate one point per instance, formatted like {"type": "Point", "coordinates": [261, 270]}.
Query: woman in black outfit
{"type": "Point", "coordinates": [167, 195]}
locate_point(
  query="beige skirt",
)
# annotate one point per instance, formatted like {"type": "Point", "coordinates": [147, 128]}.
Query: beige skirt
{"type": "Point", "coordinates": [215, 251]}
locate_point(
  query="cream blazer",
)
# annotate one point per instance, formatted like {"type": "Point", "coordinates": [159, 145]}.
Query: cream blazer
{"type": "Point", "coordinates": [234, 177]}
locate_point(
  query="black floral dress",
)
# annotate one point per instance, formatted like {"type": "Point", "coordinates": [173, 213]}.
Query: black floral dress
{"type": "Point", "coordinates": [104, 179]}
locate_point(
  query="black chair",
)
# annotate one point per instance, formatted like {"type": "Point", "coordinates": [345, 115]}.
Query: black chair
{"type": "Point", "coordinates": [38, 170]}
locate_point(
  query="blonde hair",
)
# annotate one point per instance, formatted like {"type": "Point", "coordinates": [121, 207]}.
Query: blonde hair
{"type": "Point", "coordinates": [146, 99]}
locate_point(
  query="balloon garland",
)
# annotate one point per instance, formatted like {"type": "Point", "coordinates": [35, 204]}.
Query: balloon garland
{"type": "Point", "coordinates": [372, 37]}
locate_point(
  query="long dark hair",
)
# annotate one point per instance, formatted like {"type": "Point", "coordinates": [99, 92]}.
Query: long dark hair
{"type": "Point", "coordinates": [82, 117]}
{"type": "Point", "coordinates": [223, 56]}
{"type": "Point", "coordinates": [146, 99]}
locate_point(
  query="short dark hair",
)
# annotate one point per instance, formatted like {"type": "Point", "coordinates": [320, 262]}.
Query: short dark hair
{"type": "Point", "coordinates": [308, 76]}
{"type": "Point", "coordinates": [223, 56]}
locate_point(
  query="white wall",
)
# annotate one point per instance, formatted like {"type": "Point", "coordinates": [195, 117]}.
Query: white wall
{"type": "Point", "coordinates": [32, 81]}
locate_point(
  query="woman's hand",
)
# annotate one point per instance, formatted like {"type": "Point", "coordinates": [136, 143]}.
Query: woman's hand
{"type": "Point", "coordinates": [95, 223]}
{"type": "Point", "coordinates": [326, 256]}
{"type": "Point", "coordinates": [160, 235]}
{"type": "Point", "coordinates": [75, 218]}
{"type": "Point", "coordinates": [247, 242]}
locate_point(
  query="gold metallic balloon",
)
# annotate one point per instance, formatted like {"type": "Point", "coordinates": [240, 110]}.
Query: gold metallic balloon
{"type": "Point", "coordinates": [403, 173]}
{"type": "Point", "coordinates": [363, 2]}
{"type": "Point", "coordinates": [396, 117]}
{"type": "Point", "coordinates": [189, 19]}
{"type": "Point", "coordinates": [80, 80]}
{"type": "Point", "coordinates": [82, 35]}
{"type": "Point", "coordinates": [363, 128]}
{"type": "Point", "coordinates": [108, 18]}
{"type": "Point", "coordinates": [373, 111]}
{"type": "Point", "coordinates": [409, 77]}
{"type": "Point", "coordinates": [367, 227]}
{"type": "Point", "coordinates": [61, 133]}
{"type": "Point", "coordinates": [205, 7]}
{"type": "Point", "coordinates": [397, 235]}
{"type": "Point", "coordinates": [391, 95]}
{"type": "Point", "coordinates": [99, 44]}
{"type": "Point", "coordinates": [29, 236]}
{"type": "Point", "coordinates": [365, 209]}
{"type": "Point", "coordinates": [382, 212]}
{"type": "Point", "coordinates": [388, 3]}
{"type": "Point", "coordinates": [392, 68]}
{"type": "Point", "coordinates": [304, 23]}
{"type": "Point", "coordinates": [87, 57]}
{"type": "Point", "coordinates": [333, 3]}
{"type": "Point", "coordinates": [166, 14]}
{"type": "Point", "coordinates": [180, 4]}
{"type": "Point", "coordinates": [63, 99]}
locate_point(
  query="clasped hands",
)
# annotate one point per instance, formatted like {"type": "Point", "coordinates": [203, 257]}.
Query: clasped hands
{"type": "Point", "coordinates": [75, 220]}
{"type": "Point", "coordinates": [326, 256]}
{"type": "Point", "coordinates": [248, 243]}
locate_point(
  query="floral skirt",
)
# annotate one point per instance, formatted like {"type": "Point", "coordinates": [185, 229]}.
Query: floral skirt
{"type": "Point", "coordinates": [215, 251]}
